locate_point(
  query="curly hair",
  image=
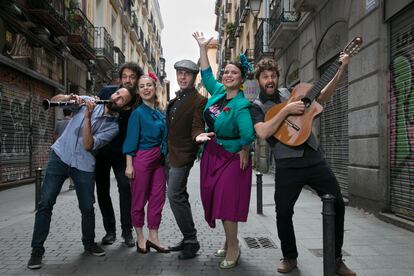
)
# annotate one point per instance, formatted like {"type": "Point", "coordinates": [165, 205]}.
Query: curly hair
{"type": "Point", "coordinates": [133, 66]}
{"type": "Point", "coordinates": [266, 65]}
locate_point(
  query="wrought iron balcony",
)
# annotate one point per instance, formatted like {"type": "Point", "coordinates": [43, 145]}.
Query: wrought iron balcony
{"type": "Point", "coordinates": [51, 13]}
{"type": "Point", "coordinates": [244, 11]}
{"type": "Point", "coordinates": [259, 51]}
{"type": "Point", "coordinates": [227, 6]}
{"type": "Point", "coordinates": [217, 7]}
{"type": "Point", "coordinates": [127, 14]}
{"type": "Point", "coordinates": [238, 24]}
{"type": "Point", "coordinates": [135, 27]}
{"type": "Point", "coordinates": [148, 51]}
{"type": "Point", "coordinates": [141, 40]}
{"type": "Point", "coordinates": [104, 48]}
{"type": "Point", "coordinates": [231, 41]}
{"type": "Point", "coordinates": [119, 58]}
{"type": "Point", "coordinates": [227, 54]}
{"type": "Point", "coordinates": [81, 38]}
{"type": "Point", "coordinates": [284, 25]}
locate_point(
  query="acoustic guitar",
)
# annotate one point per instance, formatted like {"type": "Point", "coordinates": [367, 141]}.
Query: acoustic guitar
{"type": "Point", "coordinates": [296, 129]}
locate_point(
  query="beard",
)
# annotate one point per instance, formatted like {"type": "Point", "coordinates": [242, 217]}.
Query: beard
{"type": "Point", "coordinates": [114, 108]}
{"type": "Point", "coordinates": [269, 91]}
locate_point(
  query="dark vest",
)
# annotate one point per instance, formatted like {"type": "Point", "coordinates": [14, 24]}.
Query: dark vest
{"type": "Point", "coordinates": [280, 150]}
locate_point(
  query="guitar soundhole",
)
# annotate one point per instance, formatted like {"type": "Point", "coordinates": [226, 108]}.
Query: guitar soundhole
{"type": "Point", "coordinates": [306, 101]}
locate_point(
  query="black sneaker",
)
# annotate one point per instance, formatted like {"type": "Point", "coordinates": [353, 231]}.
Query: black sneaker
{"type": "Point", "coordinates": [94, 249]}
{"type": "Point", "coordinates": [35, 261]}
{"type": "Point", "coordinates": [109, 238]}
{"type": "Point", "coordinates": [128, 239]}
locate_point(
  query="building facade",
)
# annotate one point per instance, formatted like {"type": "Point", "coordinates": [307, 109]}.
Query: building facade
{"type": "Point", "coordinates": [63, 46]}
{"type": "Point", "coordinates": [366, 129]}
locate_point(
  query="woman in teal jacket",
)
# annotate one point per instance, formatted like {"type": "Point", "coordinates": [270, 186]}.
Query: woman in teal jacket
{"type": "Point", "coordinates": [226, 169]}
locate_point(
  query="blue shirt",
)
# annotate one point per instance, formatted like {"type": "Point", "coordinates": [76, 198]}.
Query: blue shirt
{"type": "Point", "coordinates": [69, 146]}
{"type": "Point", "coordinates": [146, 130]}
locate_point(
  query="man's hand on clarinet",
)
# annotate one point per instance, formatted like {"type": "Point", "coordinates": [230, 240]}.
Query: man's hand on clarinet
{"type": "Point", "coordinates": [74, 98]}
{"type": "Point", "coordinates": [90, 105]}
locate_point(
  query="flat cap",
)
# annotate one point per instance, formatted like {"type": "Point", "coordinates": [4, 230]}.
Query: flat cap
{"type": "Point", "coordinates": [186, 65]}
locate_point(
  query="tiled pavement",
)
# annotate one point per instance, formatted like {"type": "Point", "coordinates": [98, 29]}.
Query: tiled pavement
{"type": "Point", "coordinates": [373, 247]}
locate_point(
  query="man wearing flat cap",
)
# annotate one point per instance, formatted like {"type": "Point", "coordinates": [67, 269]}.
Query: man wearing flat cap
{"type": "Point", "coordinates": [184, 119]}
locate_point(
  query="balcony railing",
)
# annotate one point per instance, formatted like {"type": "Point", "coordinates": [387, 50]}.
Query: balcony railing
{"type": "Point", "coordinates": [227, 54]}
{"type": "Point", "coordinates": [147, 50]}
{"type": "Point", "coordinates": [285, 16]}
{"type": "Point", "coordinates": [52, 14]}
{"type": "Point", "coordinates": [238, 24]}
{"type": "Point", "coordinates": [119, 58]}
{"type": "Point", "coordinates": [81, 33]}
{"type": "Point", "coordinates": [244, 10]}
{"type": "Point", "coordinates": [104, 45]}
{"type": "Point", "coordinates": [283, 24]}
{"type": "Point", "coordinates": [227, 6]}
{"type": "Point", "coordinates": [258, 38]}
{"type": "Point", "coordinates": [230, 41]}
{"type": "Point", "coordinates": [141, 34]}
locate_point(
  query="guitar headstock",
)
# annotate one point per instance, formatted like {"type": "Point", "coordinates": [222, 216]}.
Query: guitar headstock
{"type": "Point", "coordinates": [353, 47]}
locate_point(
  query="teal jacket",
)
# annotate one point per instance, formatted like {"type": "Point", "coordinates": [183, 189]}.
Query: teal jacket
{"type": "Point", "coordinates": [234, 121]}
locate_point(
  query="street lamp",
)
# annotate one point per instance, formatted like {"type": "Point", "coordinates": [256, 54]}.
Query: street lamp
{"type": "Point", "coordinates": [255, 7]}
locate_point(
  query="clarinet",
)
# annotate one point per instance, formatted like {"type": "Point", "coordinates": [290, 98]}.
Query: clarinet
{"type": "Point", "coordinates": [48, 104]}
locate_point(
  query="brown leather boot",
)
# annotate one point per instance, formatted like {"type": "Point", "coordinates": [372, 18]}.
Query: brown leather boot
{"type": "Point", "coordinates": [342, 269]}
{"type": "Point", "coordinates": [287, 265]}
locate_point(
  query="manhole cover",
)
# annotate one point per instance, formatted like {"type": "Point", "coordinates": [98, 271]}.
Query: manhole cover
{"type": "Point", "coordinates": [259, 242]}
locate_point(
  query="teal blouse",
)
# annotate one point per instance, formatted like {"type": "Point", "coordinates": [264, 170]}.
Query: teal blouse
{"type": "Point", "coordinates": [146, 129]}
{"type": "Point", "coordinates": [234, 121]}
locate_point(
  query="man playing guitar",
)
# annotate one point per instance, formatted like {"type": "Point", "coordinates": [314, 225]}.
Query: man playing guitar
{"type": "Point", "coordinates": [296, 166]}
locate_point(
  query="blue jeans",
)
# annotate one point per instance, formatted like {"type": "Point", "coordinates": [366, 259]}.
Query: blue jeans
{"type": "Point", "coordinates": [56, 174]}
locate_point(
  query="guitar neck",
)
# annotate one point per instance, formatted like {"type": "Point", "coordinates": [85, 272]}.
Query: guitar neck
{"type": "Point", "coordinates": [323, 81]}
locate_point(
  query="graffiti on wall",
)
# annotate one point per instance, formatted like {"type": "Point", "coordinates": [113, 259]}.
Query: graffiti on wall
{"type": "Point", "coordinates": [402, 110]}
{"type": "Point", "coordinates": [25, 128]}
{"type": "Point", "coordinates": [15, 136]}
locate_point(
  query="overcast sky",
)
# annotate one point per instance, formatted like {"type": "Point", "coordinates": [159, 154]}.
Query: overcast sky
{"type": "Point", "coordinates": [181, 18]}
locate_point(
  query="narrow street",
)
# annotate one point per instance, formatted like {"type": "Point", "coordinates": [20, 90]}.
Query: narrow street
{"type": "Point", "coordinates": [372, 247]}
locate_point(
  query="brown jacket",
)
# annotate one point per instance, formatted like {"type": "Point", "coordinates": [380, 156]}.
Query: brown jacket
{"type": "Point", "coordinates": [182, 130]}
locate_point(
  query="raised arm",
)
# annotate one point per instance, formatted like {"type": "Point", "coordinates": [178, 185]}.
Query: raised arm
{"type": "Point", "coordinates": [202, 43]}
{"type": "Point", "coordinates": [209, 81]}
{"type": "Point", "coordinates": [328, 90]}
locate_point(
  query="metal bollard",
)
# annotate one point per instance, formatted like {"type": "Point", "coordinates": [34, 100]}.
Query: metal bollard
{"type": "Point", "coordinates": [38, 186]}
{"type": "Point", "coordinates": [328, 214]}
{"type": "Point", "coordinates": [259, 192]}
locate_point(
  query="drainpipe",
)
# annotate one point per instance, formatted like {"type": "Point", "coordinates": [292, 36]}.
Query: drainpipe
{"type": "Point", "coordinates": [266, 27]}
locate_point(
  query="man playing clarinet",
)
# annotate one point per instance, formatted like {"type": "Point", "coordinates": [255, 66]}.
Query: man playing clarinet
{"type": "Point", "coordinates": [72, 155]}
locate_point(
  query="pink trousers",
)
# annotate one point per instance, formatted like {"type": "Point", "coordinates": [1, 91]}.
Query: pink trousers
{"type": "Point", "coordinates": [149, 186]}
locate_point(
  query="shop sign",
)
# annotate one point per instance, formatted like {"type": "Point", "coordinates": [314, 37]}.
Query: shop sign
{"type": "Point", "coordinates": [18, 48]}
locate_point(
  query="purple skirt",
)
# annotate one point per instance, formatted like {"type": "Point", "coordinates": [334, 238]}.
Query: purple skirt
{"type": "Point", "coordinates": [224, 187]}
